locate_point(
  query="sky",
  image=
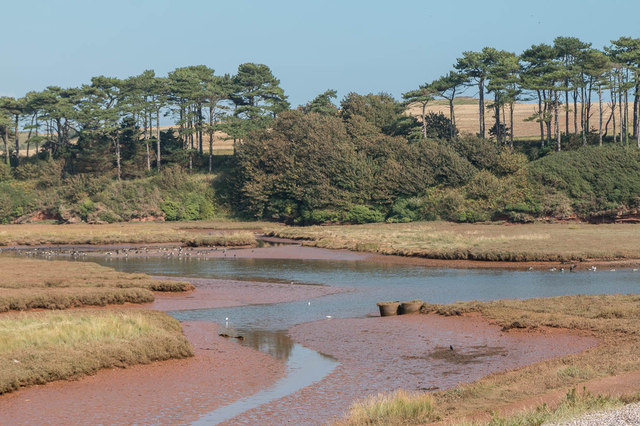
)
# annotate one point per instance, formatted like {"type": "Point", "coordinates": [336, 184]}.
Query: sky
{"type": "Point", "coordinates": [311, 46]}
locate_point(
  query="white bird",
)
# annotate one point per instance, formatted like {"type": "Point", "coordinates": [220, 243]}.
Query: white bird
{"type": "Point", "coordinates": [309, 303]}
{"type": "Point", "coordinates": [329, 316]}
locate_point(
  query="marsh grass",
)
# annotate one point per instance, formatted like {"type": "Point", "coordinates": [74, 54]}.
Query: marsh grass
{"type": "Point", "coordinates": [126, 233]}
{"type": "Point", "coordinates": [489, 242]}
{"type": "Point", "coordinates": [41, 284]}
{"type": "Point", "coordinates": [613, 319]}
{"type": "Point", "coordinates": [575, 404]}
{"type": "Point", "coordinates": [397, 408]}
{"type": "Point", "coordinates": [40, 347]}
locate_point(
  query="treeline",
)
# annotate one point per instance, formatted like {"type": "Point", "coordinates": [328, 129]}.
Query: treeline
{"type": "Point", "coordinates": [564, 79]}
{"type": "Point", "coordinates": [368, 163]}
{"type": "Point", "coordinates": [100, 117]}
{"type": "Point", "coordinates": [97, 154]}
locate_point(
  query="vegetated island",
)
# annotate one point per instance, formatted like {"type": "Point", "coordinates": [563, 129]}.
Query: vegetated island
{"type": "Point", "coordinates": [44, 340]}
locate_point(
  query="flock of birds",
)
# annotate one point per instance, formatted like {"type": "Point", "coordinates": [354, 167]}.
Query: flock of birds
{"type": "Point", "coordinates": [572, 268]}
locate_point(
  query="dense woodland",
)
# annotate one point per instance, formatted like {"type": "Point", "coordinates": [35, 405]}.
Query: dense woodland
{"type": "Point", "coordinates": [97, 153]}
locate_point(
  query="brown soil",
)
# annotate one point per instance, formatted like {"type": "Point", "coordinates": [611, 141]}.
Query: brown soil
{"type": "Point", "coordinates": [168, 392]}
{"type": "Point", "coordinates": [409, 352]}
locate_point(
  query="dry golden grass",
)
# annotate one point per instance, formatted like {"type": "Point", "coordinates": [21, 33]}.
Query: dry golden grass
{"type": "Point", "coordinates": [467, 116]}
{"type": "Point", "coordinates": [492, 242]}
{"type": "Point", "coordinates": [614, 319]}
{"type": "Point", "coordinates": [398, 408]}
{"type": "Point", "coordinates": [40, 284]}
{"type": "Point", "coordinates": [40, 347]}
{"type": "Point", "coordinates": [121, 233]}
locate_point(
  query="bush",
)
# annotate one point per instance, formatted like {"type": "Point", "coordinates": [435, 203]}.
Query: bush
{"type": "Point", "coordinates": [317, 217]}
{"type": "Point", "coordinates": [364, 214]}
{"type": "Point", "coordinates": [594, 178]}
{"type": "Point", "coordinates": [16, 200]}
{"type": "Point", "coordinates": [5, 172]}
{"type": "Point", "coordinates": [510, 162]}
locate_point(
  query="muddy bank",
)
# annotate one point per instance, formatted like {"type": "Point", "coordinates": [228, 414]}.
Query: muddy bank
{"type": "Point", "coordinates": [168, 392]}
{"type": "Point", "coordinates": [214, 293]}
{"type": "Point", "coordinates": [410, 352]}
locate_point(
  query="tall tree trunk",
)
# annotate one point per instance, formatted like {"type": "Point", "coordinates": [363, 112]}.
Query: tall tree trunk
{"type": "Point", "coordinates": [635, 105]}
{"type": "Point", "coordinates": [511, 125]}
{"type": "Point", "coordinates": [613, 107]}
{"type": "Point", "coordinates": [497, 117]}
{"type": "Point", "coordinates": [583, 114]}
{"type": "Point", "coordinates": [37, 141]}
{"type": "Point", "coordinates": [626, 116]}
{"type": "Point", "coordinates": [17, 135]}
{"type": "Point", "coordinates": [566, 110]}
{"type": "Point", "coordinates": [600, 105]}
{"type": "Point", "coordinates": [158, 140]}
{"type": "Point", "coordinates": [481, 106]}
{"type": "Point", "coordinates": [147, 121]}
{"type": "Point", "coordinates": [200, 130]}
{"type": "Point", "coordinates": [621, 116]}
{"type": "Point", "coordinates": [452, 116]}
{"type": "Point", "coordinates": [540, 118]}
{"type": "Point", "coordinates": [211, 132]}
{"type": "Point", "coordinates": [424, 120]}
{"type": "Point", "coordinates": [555, 120]}
{"type": "Point", "coordinates": [575, 111]}
{"type": "Point", "coordinates": [547, 114]}
{"type": "Point", "coordinates": [118, 156]}
{"type": "Point", "coordinates": [5, 140]}
{"type": "Point", "coordinates": [637, 112]}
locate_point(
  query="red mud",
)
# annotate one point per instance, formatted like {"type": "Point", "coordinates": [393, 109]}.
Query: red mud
{"type": "Point", "coordinates": [167, 392]}
{"type": "Point", "coordinates": [213, 293]}
{"type": "Point", "coordinates": [409, 352]}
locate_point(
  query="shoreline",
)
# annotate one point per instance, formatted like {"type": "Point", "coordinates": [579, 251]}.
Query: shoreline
{"type": "Point", "coordinates": [287, 249]}
{"type": "Point", "coordinates": [173, 391]}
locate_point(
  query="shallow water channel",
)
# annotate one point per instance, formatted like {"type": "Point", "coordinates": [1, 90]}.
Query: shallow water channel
{"type": "Point", "coordinates": [264, 327]}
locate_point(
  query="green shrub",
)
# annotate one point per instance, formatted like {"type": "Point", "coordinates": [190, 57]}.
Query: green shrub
{"type": "Point", "coordinates": [86, 208]}
{"type": "Point", "coordinates": [5, 172]}
{"type": "Point", "coordinates": [364, 214]}
{"type": "Point", "coordinates": [16, 200]}
{"type": "Point", "coordinates": [317, 217]}
{"type": "Point", "coordinates": [593, 178]}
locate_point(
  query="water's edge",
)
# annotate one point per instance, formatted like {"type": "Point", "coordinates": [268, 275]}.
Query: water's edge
{"type": "Point", "coordinates": [298, 376]}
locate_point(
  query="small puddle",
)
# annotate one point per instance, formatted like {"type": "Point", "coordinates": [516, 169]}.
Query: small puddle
{"type": "Point", "coordinates": [304, 368]}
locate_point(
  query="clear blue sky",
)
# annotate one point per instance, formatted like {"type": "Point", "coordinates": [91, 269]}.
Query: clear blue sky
{"type": "Point", "coordinates": [361, 46]}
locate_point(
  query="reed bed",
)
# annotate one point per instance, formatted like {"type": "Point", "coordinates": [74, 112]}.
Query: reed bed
{"type": "Point", "coordinates": [488, 242]}
{"type": "Point", "coordinates": [128, 233]}
{"type": "Point", "coordinates": [40, 347]}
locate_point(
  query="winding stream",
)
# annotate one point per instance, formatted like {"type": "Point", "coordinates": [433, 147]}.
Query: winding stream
{"type": "Point", "coordinates": [264, 327]}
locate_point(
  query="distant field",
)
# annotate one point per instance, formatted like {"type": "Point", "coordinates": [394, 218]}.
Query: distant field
{"type": "Point", "coordinates": [221, 145]}
{"type": "Point", "coordinates": [467, 116]}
